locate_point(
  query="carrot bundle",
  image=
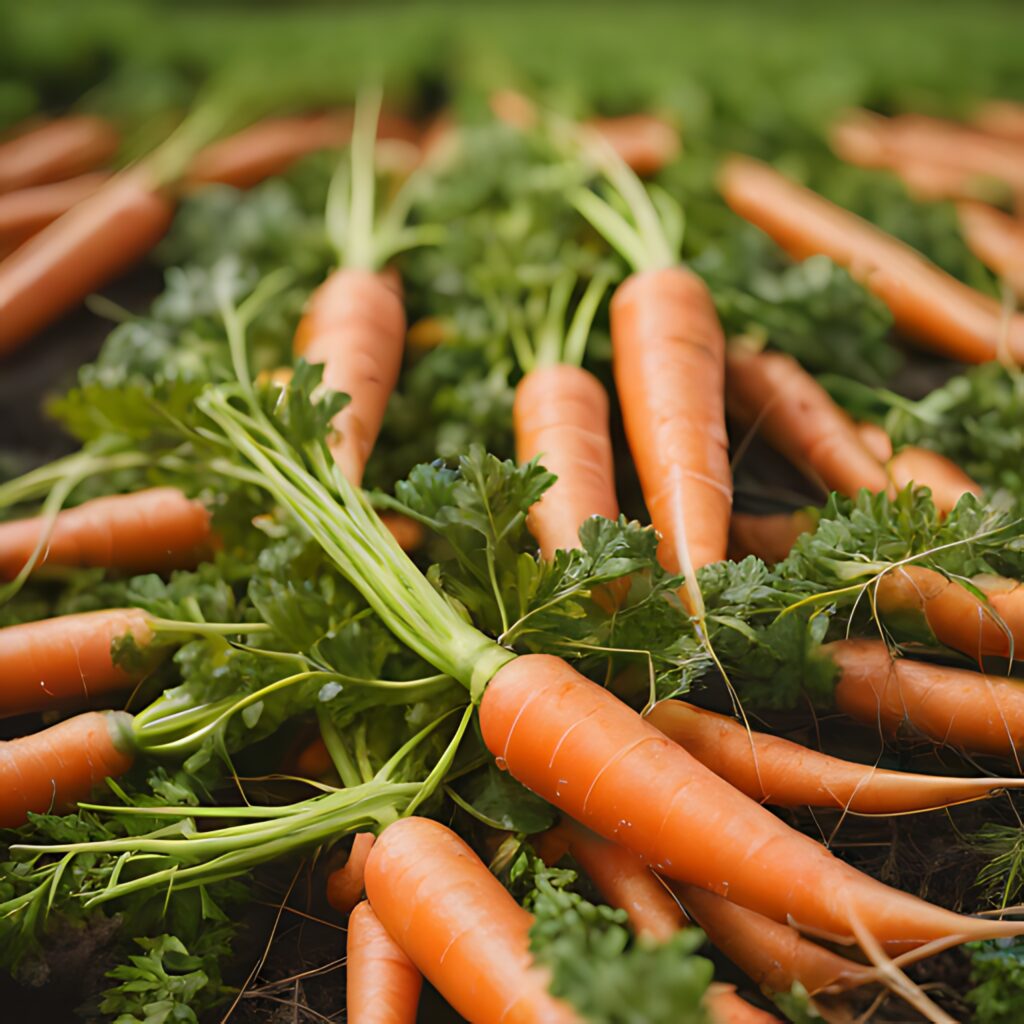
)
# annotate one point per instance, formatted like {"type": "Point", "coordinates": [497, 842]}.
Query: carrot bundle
{"type": "Point", "coordinates": [382, 985]}
{"type": "Point", "coordinates": [154, 530]}
{"type": "Point", "coordinates": [943, 314]}
{"type": "Point", "coordinates": [458, 925]}
{"type": "Point", "coordinates": [56, 150]}
{"type": "Point", "coordinates": [775, 771]}
{"type": "Point", "coordinates": [26, 212]}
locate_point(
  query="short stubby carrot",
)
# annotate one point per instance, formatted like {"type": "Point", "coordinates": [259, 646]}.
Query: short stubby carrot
{"type": "Point", "coordinates": [56, 150]}
{"type": "Point", "coordinates": [457, 923]}
{"type": "Point", "coordinates": [929, 305]}
{"type": "Point", "coordinates": [66, 660]}
{"type": "Point", "coordinates": [560, 415]}
{"type": "Point", "coordinates": [726, 1007]}
{"type": "Point", "coordinates": [382, 985]}
{"type": "Point", "coordinates": [771, 393]}
{"type": "Point", "coordinates": [977, 712]}
{"type": "Point", "coordinates": [771, 954]}
{"type": "Point", "coordinates": [354, 325]}
{"type": "Point", "coordinates": [776, 771]}
{"type": "Point", "coordinates": [580, 748]}
{"type": "Point", "coordinates": [345, 885]}
{"type": "Point", "coordinates": [770, 537]}
{"type": "Point", "coordinates": [26, 212]}
{"type": "Point", "coordinates": [154, 530]}
{"type": "Point", "coordinates": [668, 354]}
{"type": "Point", "coordinates": [997, 239]}
{"type": "Point", "coordinates": [50, 770]}
{"type": "Point", "coordinates": [92, 243]}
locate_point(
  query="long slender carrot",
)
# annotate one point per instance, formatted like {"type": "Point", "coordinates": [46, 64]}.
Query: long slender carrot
{"type": "Point", "coordinates": [925, 468]}
{"type": "Point", "coordinates": [668, 356]}
{"type": "Point", "coordinates": [771, 954]}
{"type": "Point", "coordinates": [54, 768]}
{"type": "Point", "coordinates": [355, 325]}
{"type": "Point", "coordinates": [54, 662]}
{"type": "Point", "coordinates": [56, 150]}
{"type": "Point", "coordinates": [345, 885]}
{"type": "Point", "coordinates": [941, 313]}
{"type": "Point", "coordinates": [149, 531]}
{"type": "Point", "coordinates": [775, 771]}
{"type": "Point", "coordinates": [26, 212]}
{"type": "Point", "coordinates": [770, 392]}
{"type": "Point", "coordinates": [457, 923]}
{"type": "Point", "coordinates": [996, 238]}
{"type": "Point", "coordinates": [382, 985]}
{"type": "Point", "coordinates": [576, 745]}
{"type": "Point", "coordinates": [92, 243]}
{"type": "Point", "coordinates": [726, 1007]}
{"type": "Point", "coordinates": [1001, 117]}
{"type": "Point", "coordinates": [978, 712]}
{"type": "Point", "coordinates": [770, 537]}
{"type": "Point", "coordinates": [560, 415]}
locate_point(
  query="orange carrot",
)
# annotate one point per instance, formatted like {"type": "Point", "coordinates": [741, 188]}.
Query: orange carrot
{"type": "Point", "coordinates": [1001, 117]}
{"type": "Point", "coordinates": [382, 985]}
{"type": "Point", "coordinates": [997, 239]}
{"type": "Point", "coordinates": [771, 954]}
{"type": "Point", "coordinates": [925, 468]}
{"type": "Point", "coordinates": [457, 923]}
{"type": "Point", "coordinates": [55, 768]}
{"type": "Point", "coordinates": [314, 760]}
{"type": "Point", "coordinates": [345, 885]}
{"type": "Point", "coordinates": [876, 440]}
{"type": "Point", "coordinates": [560, 415]}
{"type": "Point", "coordinates": [775, 771]}
{"type": "Point", "coordinates": [155, 530]}
{"type": "Point", "coordinates": [645, 142]}
{"type": "Point", "coordinates": [61, 661]}
{"type": "Point", "coordinates": [26, 212]}
{"type": "Point", "coordinates": [980, 713]}
{"type": "Point", "coordinates": [406, 530]}
{"type": "Point", "coordinates": [579, 747]}
{"type": "Point", "coordinates": [56, 150]}
{"type": "Point", "coordinates": [668, 356]}
{"type": "Point", "coordinates": [726, 1007]}
{"type": "Point", "coordinates": [355, 325]}
{"type": "Point", "coordinates": [769, 537]}
{"type": "Point", "coordinates": [79, 252]}
{"type": "Point", "coordinates": [941, 313]}
{"type": "Point", "coordinates": [770, 392]}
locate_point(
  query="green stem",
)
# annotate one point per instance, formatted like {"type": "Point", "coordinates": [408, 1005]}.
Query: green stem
{"type": "Point", "coordinates": [336, 748]}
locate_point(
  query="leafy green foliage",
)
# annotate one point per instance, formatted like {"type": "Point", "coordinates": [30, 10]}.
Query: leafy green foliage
{"type": "Point", "coordinates": [997, 974]}
{"type": "Point", "coordinates": [495, 798]}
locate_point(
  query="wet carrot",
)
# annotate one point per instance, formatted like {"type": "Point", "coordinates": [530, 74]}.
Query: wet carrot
{"type": "Point", "coordinates": [56, 150]}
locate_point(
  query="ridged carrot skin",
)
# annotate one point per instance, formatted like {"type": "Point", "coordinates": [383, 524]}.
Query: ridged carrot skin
{"type": "Point", "coordinates": [345, 885]}
{"type": "Point", "coordinates": [155, 530]}
{"type": "Point", "coordinates": [776, 771]}
{"type": "Point", "coordinates": [770, 392]}
{"type": "Point", "coordinates": [668, 356]}
{"type": "Point", "coordinates": [771, 954]}
{"type": "Point", "coordinates": [980, 713]}
{"type": "Point", "coordinates": [66, 660]}
{"type": "Point", "coordinates": [355, 325]}
{"type": "Point", "coordinates": [382, 985]}
{"type": "Point", "coordinates": [924, 468]}
{"type": "Point", "coordinates": [996, 238]}
{"type": "Point", "coordinates": [93, 242]}
{"type": "Point", "coordinates": [56, 150]}
{"type": "Point", "coordinates": [940, 312]}
{"type": "Point", "coordinates": [725, 1007]}
{"type": "Point", "coordinates": [769, 537]}
{"type": "Point", "coordinates": [457, 923]}
{"type": "Point", "coordinates": [52, 769]}
{"type": "Point", "coordinates": [560, 415]}
{"type": "Point", "coordinates": [26, 212]}
{"type": "Point", "coordinates": [581, 749]}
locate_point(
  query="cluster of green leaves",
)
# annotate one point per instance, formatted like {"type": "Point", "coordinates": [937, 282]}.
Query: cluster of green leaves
{"type": "Point", "coordinates": [997, 977]}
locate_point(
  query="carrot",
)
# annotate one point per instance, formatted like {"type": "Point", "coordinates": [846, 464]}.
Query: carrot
{"type": "Point", "coordinates": [668, 356]}
{"type": "Point", "coordinates": [355, 325]}
{"type": "Point", "coordinates": [775, 771]}
{"type": "Point", "coordinates": [345, 885]}
{"type": "Point", "coordinates": [941, 313]}
{"type": "Point", "coordinates": [771, 954]}
{"type": "Point", "coordinates": [560, 416]}
{"type": "Point", "coordinates": [26, 212]}
{"type": "Point", "coordinates": [56, 150]}
{"type": "Point", "coordinates": [997, 239]}
{"type": "Point", "coordinates": [980, 713]}
{"type": "Point", "coordinates": [382, 985]}
{"type": "Point", "coordinates": [876, 440]}
{"type": "Point", "coordinates": [925, 468]}
{"type": "Point", "coordinates": [92, 243]}
{"type": "Point", "coordinates": [53, 769]}
{"type": "Point", "coordinates": [58, 661]}
{"type": "Point", "coordinates": [770, 392]}
{"type": "Point", "coordinates": [314, 760]}
{"type": "Point", "coordinates": [580, 748]}
{"type": "Point", "coordinates": [155, 530]}
{"type": "Point", "coordinates": [457, 923]}
{"type": "Point", "coordinates": [406, 530]}
{"type": "Point", "coordinates": [726, 1007]}
{"type": "Point", "coordinates": [769, 537]}
{"type": "Point", "coordinates": [1001, 117]}
{"type": "Point", "coordinates": [645, 142]}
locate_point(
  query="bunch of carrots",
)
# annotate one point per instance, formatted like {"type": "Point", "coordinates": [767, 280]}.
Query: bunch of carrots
{"type": "Point", "coordinates": [665, 806]}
